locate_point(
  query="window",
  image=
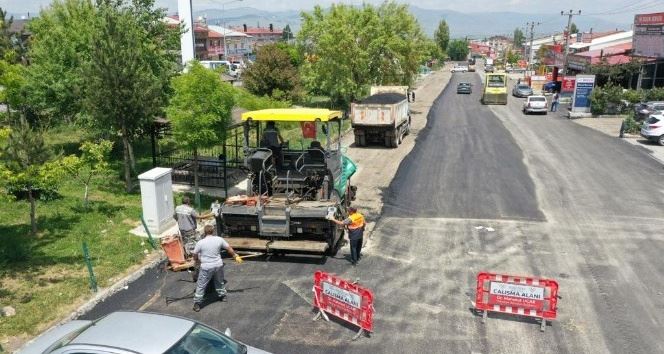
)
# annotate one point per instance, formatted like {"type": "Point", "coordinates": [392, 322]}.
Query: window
{"type": "Point", "coordinates": [496, 81]}
{"type": "Point", "coordinates": [203, 340]}
{"type": "Point", "coordinates": [537, 99]}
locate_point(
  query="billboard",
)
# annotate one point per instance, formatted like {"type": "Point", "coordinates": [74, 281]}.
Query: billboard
{"type": "Point", "coordinates": [648, 39]}
{"type": "Point", "coordinates": [582, 89]}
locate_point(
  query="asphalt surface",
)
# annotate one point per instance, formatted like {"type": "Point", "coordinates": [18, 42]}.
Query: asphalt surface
{"type": "Point", "coordinates": [565, 202]}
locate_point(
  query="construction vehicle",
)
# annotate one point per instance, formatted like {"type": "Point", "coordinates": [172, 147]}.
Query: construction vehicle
{"type": "Point", "coordinates": [291, 190]}
{"type": "Point", "coordinates": [383, 117]}
{"type": "Point", "coordinates": [495, 89]}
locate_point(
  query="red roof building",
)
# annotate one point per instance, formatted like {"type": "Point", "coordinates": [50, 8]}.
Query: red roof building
{"type": "Point", "coordinates": [614, 55]}
{"type": "Point", "coordinates": [261, 35]}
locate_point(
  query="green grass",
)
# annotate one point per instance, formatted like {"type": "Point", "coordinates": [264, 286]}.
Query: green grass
{"type": "Point", "coordinates": [44, 277]}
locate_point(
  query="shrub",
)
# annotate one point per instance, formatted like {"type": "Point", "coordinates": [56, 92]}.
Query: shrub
{"type": "Point", "coordinates": [606, 99]}
{"type": "Point", "coordinates": [655, 94]}
{"type": "Point", "coordinates": [631, 125]}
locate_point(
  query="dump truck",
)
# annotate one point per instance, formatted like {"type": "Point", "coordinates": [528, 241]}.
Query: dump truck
{"type": "Point", "coordinates": [383, 117]}
{"type": "Point", "coordinates": [292, 187]}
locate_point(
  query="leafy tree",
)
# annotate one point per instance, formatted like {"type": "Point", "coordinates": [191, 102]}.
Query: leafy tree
{"type": "Point", "coordinates": [347, 49]}
{"type": "Point", "coordinates": [60, 47]}
{"type": "Point", "coordinates": [287, 33]}
{"type": "Point", "coordinates": [512, 56]}
{"type": "Point", "coordinates": [27, 165]}
{"type": "Point", "coordinates": [573, 29]}
{"type": "Point", "coordinates": [442, 36]}
{"type": "Point", "coordinates": [458, 49]}
{"type": "Point", "coordinates": [92, 163]}
{"type": "Point", "coordinates": [127, 73]}
{"type": "Point", "coordinates": [294, 53]}
{"type": "Point", "coordinates": [519, 38]}
{"type": "Point", "coordinates": [272, 74]}
{"type": "Point", "coordinates": [200, 111]}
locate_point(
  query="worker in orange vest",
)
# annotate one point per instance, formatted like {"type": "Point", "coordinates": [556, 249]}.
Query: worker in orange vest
{"type": "Point", "coordinates": [355, 225]}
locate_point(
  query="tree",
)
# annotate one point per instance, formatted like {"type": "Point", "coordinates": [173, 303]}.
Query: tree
{"type": "Point", "coordinates": [128, 73]}
{"type": "Point", "coordinates": [92, 163]}
{"type": "Point", "coordinates": [442, 36]}
{"type": "Point", "coordinates": [200, 111]}
{"type": "Point", "coordinates": [26, 165]}
{"type": "Point", "coordinates": [573, 29]}
{"type": "Point", "coordinates": [458, 49]}
{"type": "Point", "coordinates": [347, 49]}
{"type": "Point", "coordinates": [512, 56]}
{"type": "Point", "coordinates": [519, 38]}
{"type": "Point", "coordinates": [272, 74]}
{"type": "Point", "coordinates": [287, 34]}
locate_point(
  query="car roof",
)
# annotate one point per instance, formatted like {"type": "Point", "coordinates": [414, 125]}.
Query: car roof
{"type": "Point", "coordinates": [48, 338]}
{"type": "Point", "coordinates": [536, 96]}
{"type": "Point", "coordinates": [136, 331]}
{"type": "Point", "coordinates": [292, 115]}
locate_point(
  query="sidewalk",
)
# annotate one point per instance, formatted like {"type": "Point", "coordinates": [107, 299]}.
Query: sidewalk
{"type": "Point", "coordinates": [611, 127]}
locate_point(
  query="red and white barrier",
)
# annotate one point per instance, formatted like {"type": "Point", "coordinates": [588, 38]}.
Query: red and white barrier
{"type": "Point", "coordinates": [517, 295]}
{"type": "Point", "coordinates": [343, 299]}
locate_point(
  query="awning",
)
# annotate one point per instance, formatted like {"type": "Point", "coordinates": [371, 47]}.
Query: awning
{"type": "Point", "coordinates": [292, 115]}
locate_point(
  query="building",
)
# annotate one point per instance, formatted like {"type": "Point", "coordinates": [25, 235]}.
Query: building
{"type": "Point", "coordinates": [597, 42]}
{"type": "Point", "coordinates": [260, 36]}
{"type": "Point", "coordinates": [238, 44]}
{"type": "Point", "coordinates": [648, 44]}
{"type": "Point", "coordinates": [613, 55]}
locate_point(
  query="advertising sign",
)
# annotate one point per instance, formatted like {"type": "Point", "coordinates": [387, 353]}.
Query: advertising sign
{"type": "Point", "coordinates": [648, 39]}
{"type": "Point", "coordinates": [568, 84]}
{"type": "Point", "coordinates": [523, 296]}
{"type": "Point", "coordinates": [649, 19]}
{"type": "Point", "coordinates": [582, 90]}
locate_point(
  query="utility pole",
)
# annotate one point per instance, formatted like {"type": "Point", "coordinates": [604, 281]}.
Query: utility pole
{"type": "Point", "coordinates": [569, 15]}
{"type": "Point", "coordinates": [530, 47]}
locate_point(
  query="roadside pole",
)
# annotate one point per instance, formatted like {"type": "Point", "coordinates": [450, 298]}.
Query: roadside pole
{"type": "Point", "coordinates": [531, 55]}
{"type": "Point", "coordinates": [569, 15]}
{"type": "Point", "coordinates": [88, 263]}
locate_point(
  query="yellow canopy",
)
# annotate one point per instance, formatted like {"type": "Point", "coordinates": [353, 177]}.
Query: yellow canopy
{"type": "Point", "coordinates": [292, 115]}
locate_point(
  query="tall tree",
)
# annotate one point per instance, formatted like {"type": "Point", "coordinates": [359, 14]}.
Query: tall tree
{"type": "Point", "coordinates": [458, 49]}
{"type": "Point", "coordinates": [26, 165]}
{"type": "Point", "coordinates": [442, 36]}
{"type": "Point", "coordinates": [519, 38]}
{"type": "Point", "coordinates": [347, 48]}
{"type": "Point", "coordinates": [287, 33]}
{"type": "Point", "coordinates": [573, 29]}
{"type": "Point", "coordinates": [200, 111]}
{"type": "Point", "coordinates": [272, 74]}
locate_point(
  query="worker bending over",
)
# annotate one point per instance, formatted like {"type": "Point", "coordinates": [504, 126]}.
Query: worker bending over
{"type": "Point", "coordinates": [207, 255]}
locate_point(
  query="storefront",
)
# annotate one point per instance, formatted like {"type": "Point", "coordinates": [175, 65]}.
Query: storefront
{"type": "Point", "coordinates": [649, 44]}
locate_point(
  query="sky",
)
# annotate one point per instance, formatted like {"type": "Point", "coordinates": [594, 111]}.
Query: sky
{"type": "Point", "coordinates": [615, 10]}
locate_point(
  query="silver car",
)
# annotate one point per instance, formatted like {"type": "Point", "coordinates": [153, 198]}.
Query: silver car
{"type": "Point", "coordinates": [522, 90]}
{"type": "Point", "coordinates": [136, 332]}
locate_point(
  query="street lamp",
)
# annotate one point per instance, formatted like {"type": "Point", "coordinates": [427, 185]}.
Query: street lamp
{"type": "Point", "coordinates": [224, 24]}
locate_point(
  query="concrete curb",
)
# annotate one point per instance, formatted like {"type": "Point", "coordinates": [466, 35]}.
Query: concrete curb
{"type": "Point", "coordinates": [104, 294]}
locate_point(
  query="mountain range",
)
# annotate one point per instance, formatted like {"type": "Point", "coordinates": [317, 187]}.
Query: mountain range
{"type": "Point", "coordinates": [472, 25]}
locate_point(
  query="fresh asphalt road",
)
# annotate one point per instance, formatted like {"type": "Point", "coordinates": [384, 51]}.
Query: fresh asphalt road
{"type": "Point", "coordinates": [565, 201]}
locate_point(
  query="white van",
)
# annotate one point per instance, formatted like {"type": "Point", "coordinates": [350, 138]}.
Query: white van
{"type": "Point", "coordinates": [231, 69]}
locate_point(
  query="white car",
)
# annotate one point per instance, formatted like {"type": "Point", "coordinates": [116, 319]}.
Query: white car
{"type": "Point", "coordinates": [459, 69]}
{"type": "Point", "coordinates": [653, 128]}
{"type": "Point", "coordinates": [535, 104]}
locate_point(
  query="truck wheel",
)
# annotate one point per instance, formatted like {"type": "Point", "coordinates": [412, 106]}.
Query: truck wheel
{"type": "Point", "coordinates": [407, 127]}
{"type": "Point", "coordinates": [360, 140]}
{"type": "Point", "coordinates": [394, 139]}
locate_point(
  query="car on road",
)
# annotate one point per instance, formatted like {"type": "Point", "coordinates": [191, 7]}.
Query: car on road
{"type": "Point", "coordinates": [125, 332]}
{"type": "Point", "coordinates": [552, 86]}
{"type": "Point", "coordinates": [464, 87]}
{"type": "Point", "coordinates": [653, 128]}
{"type": "Point", "coordinates": [522, 90]}
{"type": "Point", "coordinates": [645, 109]}
{"type": "Point", "coordinates": [459, 69]}
{"type": "Point", "coordinates": [535, 104]}
{"type": "Point", "coordinates": [488, 68]}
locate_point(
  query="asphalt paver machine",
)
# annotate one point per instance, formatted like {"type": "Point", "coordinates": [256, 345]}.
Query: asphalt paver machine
{"type": "Point", "coordinates": [291, 187]}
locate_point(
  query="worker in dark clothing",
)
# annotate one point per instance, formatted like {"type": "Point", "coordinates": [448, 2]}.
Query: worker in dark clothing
{"type": "Point", "coordinates": [273, 140]}
{"type": "Point", "coordinates": [623, 127]}
{"type": "Point", "coordinates": [355, 224]}
{"type": "Point", "coordinates": [186, 217]}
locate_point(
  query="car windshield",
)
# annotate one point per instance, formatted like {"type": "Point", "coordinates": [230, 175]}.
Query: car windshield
{"type": "Point", "coordinates": [464, 84]}
{"type": "Point", "coordinates": [203, 340]}
{"type": "Point", "coordinates": [524, 87]}
{"type": "Point", "coordinates": [652, 120]}
{"type": "Point", "coordinates": [496, 81]}
{"type": "Point", "coordinates": [537, 99]}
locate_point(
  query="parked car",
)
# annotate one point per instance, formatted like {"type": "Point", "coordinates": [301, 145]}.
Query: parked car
{"type": "Point", "coordinates": [646, 109]}
{"type": "Point", "coordinates": [488, 68]}
{"type": "Point", "coordinates": [522, 90]}
{"type": "Point", "coordinates": [653, 128]}
{"type": "Point", "coordinates": [464, 87]}
{"type": "Point", "coordinates": [126, 332]}
{"type": "Point", "coordinates": [552, 86]}
{"type": "Point", "coordinates": [535, 104]}
{"type": "Point", "coordinates": [459, 68]}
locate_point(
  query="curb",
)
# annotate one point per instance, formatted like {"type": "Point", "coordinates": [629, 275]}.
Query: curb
{"type": "Point", "coordinates": [102, 295]}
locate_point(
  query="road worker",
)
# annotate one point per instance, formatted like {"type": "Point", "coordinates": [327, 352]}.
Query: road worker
{"type": "Point", "coordinates": [186, 217]}
{"type": "Point", "coordinates": [355, 224]}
